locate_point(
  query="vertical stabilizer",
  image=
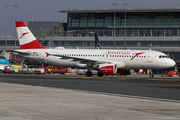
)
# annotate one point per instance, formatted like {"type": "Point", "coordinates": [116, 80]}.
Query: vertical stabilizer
{"type": "Point", "coordinates": [97, 44]}
{"type": "Point", "coordinates": [26, 38]}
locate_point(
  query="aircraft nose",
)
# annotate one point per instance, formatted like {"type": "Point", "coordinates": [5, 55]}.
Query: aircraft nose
{"type": "Point", "coordinates": [172, 63]}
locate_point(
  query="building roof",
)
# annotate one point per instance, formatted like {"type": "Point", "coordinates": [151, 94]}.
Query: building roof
{"type": "Point", "coordinates": [121, 10]}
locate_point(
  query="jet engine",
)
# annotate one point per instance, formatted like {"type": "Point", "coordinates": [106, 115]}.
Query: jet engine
{"type": "Point", "coordinates": [108, 69]}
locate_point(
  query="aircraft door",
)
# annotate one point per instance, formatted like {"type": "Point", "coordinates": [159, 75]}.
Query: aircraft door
{"type": "Point", "coordinates": [41, 55]}
{"type": "Point", "coordinates": [150, 57]}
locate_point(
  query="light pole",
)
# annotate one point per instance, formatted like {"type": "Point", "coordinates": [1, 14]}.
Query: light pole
{"type": "Point", "coordinates": [125, 4]}
{"type": "Point", "coordinates": [6, 25]}
{"type": "Point", "coordinates": [114, 4]}
{"type": "Point", "coordinates": [32, 16]}
{"type": "Point", "coordinates": [15, 19]}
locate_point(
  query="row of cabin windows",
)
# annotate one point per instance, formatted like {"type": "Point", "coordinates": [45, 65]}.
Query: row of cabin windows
{"type": "Point", "coordinates": [100, 55]}
{"type": "Point", "coordinates": [126, 56]}
{"type": "Point", "coordinates": [82, 55]}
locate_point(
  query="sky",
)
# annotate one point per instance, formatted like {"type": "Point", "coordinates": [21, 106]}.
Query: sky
{"type": "Point", "coordinates": [47, 10]}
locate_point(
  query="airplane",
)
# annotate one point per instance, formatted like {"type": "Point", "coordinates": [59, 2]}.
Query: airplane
{"type": "Point", "coordinates": [4, 61]}
{"type": "Point", "coordinates": [106, 61]}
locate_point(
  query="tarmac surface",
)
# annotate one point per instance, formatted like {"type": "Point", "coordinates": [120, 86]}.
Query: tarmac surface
{"type": "Point", "coordinates": [70, 97]}
{"type": "Point", "coordinates": [167, 88]}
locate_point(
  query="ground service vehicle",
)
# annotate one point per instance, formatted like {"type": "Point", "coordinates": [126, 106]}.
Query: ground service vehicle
{"type": "Point", "coordinates": [170, 74]}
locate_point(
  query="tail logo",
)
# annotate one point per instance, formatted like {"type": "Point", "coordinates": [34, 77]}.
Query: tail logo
{"type": "Point", "coordinates": [23, 34]}
{"type": "Point", "coordinates": [136, 54]}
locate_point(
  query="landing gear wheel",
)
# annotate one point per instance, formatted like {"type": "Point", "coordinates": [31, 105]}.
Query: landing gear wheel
{"type": "Point", "coordinates": [151, 75]}
{"type": "Point", "coordinates": [88, 73]}
{"type": "Point", "coordinates": [99, 74]}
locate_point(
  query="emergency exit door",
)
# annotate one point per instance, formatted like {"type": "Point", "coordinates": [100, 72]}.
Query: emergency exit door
{"type": "Point", "coordinates": [150, 57]}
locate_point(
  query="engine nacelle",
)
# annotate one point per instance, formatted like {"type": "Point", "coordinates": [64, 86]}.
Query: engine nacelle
{"type": "Point", "coordinates": [108, 69]}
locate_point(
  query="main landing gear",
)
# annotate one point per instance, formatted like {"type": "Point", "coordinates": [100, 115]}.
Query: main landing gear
{"type": "Point", "coordinates": [99, 74]}
{"type": "Point", "coordinates": [88, 73]}
{"type": "Point", "coordinates": [151, 75]}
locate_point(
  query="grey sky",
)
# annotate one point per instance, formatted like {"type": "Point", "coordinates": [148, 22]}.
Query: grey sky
{"type": "Point", "coordinates": [47, 10]}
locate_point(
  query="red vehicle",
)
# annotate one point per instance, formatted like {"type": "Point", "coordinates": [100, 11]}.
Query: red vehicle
{"type": "Point", "coordinates": [53, 69]}
{"type": "Point", "coordinates": [46, 68]}
{"type": "Point", "coordinates": [63, 70]}
{"type": "Point", "coordinates": [7, 69]}
{"type": "Point", "coordinates": [56, 69]}
{"type": "Point", "coordinates": [170, 74]}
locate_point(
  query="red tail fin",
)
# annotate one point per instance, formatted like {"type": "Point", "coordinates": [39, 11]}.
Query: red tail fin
{"type": "Point", "coordinates": [26, 38]}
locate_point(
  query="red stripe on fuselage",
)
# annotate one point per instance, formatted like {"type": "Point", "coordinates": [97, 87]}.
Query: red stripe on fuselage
{"type": "Point", "coordinates": [136, 54]}
{"type": "Point", "coordinates": [20, 24]}
{"type": "Point", "coordinates": [32, 45]}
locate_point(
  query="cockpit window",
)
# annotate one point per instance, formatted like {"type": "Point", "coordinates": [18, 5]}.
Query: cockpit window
{"type": "Point", "coordinates": [163, 56]}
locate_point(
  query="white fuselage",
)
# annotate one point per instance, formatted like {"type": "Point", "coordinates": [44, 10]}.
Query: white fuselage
{"type": "Point", "coordinates": [124, 59]}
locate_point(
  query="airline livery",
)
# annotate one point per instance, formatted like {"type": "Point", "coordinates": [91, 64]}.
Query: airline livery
{"type": "Point", "coordinates": [97, 43]}
{"type": "Point", "coordinates": [105, 61]}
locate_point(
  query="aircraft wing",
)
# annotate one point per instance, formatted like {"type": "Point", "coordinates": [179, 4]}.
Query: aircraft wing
{"type": "Point", "coordinates": [81, 60]}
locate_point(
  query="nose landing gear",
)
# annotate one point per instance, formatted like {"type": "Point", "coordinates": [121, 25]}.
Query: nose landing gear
{"type": "Point", "coordinates": [151, 75]}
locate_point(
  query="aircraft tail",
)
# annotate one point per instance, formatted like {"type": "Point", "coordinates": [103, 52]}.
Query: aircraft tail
{"type": "Point", "coordinates": [26, 38]}
{"type": "Point", "coordinates": [97, 43]}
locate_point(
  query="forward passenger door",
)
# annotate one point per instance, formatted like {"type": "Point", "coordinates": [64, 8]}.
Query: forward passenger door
{"type": "Point", "coordinates": [150, 57]}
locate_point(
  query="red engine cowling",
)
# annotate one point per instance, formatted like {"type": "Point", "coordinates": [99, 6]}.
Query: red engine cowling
{"type": "Point", "coordinates": [108, 69]}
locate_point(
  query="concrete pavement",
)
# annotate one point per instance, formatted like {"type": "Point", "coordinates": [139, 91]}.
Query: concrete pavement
{"type": "Point", "coordinates": [23, 102]}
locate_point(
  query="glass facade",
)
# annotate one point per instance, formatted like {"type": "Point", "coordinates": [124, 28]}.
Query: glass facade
{"type": "Point", "coordinates": [9, 43]}
{"type": "Point", "coordinates": [102, 20]}
{"type": "Point", "coordinates": [118, 43]}
{"type": "Point", "coordinates": [120, 33]}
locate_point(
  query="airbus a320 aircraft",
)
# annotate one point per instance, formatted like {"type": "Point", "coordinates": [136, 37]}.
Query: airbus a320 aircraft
{"type": "Point", "coordinates": [105, 61]}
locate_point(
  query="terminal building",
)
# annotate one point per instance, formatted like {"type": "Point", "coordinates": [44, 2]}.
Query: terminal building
{"type": "Point", "coordinates": [156, 29]}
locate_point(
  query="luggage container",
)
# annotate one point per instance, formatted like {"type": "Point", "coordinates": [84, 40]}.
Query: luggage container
{"type": "Point", "coordinates": [39, 71]}
{"type": "Point", "coordinates": [14, 71]}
